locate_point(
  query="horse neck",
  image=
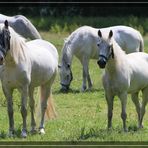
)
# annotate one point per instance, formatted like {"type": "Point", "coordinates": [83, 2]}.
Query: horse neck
{"type": "Point", "coordinates": [67, 54]}
{"type": "Point", "coordinates": [117, 63]}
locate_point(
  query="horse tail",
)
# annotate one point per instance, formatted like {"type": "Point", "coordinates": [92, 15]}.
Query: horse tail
{"type": "Point", "coordinates": [141, 47]}
{"type": "Point", "coordinates": [50, 110]}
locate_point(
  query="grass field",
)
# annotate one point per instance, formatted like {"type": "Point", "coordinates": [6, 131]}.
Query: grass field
{"type": "Point", "coordinates": [81, 116]}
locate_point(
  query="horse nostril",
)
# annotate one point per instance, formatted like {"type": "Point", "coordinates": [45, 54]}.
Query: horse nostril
{"type": "Point", "coordinates": [1, 59]}
{"type": "Point", "coordinates": [101, 63]}
{"type": "Point", "coordinates": [98, 62]}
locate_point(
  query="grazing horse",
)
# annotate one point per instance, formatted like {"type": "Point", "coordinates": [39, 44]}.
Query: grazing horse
{"type": "Point", "coordinates": [24, 67]}
{"type": "Point", "coordinates": [83, 44]}
{"type": "Point", "coordinates": [124, 73]}
{"type": "Point", "coordinates": [22, 26]}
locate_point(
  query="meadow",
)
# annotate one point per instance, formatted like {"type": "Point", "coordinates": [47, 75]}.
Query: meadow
{"type": "Point", "coordinates": [81, 116]}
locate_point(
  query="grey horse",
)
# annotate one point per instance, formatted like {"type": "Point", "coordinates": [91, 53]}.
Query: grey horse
{"type": "Point", "coordinates": [21, 25]}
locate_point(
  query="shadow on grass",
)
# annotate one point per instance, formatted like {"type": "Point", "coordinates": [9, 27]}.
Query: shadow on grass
{"type": "Point", "coordinates": [76, 91]}
{"type": "Point", "coordinates": [102, 133]}
{"type": "Point", "coordinates": [92, 133]}
{"type": "Point", "coordinates": [17, 134]}
{"type": "Point", "coordinates": [4, 135]}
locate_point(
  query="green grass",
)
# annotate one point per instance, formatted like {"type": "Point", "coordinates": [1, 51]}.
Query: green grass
{"type": "Point", "coordinates": [81, 116]}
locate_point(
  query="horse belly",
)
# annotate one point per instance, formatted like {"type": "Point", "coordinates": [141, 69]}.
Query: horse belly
{"type": "Point", "coordinates": [138, 83]}
{"type": "Point", "coordinates": [39, 79]}
{"type": "Point", "coordinates": [15, 77]}
{"type": "Point", "coordinates": [42, 73]}
{"type": "Point", "coordinates": [115, 84]}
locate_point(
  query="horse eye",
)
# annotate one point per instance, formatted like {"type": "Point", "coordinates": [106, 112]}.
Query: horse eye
{"type": "Point", "coordinates": [98, 44]}
{"type": "Point", "coordinates": [68, 65]}
{"type": "Point", "coordinates": [68, 77]}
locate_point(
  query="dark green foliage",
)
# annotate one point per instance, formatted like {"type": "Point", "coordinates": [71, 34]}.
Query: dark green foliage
{"type": "Point", "coordinates": [69, 24]}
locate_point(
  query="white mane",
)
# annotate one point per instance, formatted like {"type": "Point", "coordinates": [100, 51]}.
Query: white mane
{"type": "Point", "coordinates": [68, 42]}
{"type": "Point", "coordinates": [118, 52]}
{"type": "Point", "coordinates": [66, 51]}
{"type": "Point", "coordinates": [17, 46]}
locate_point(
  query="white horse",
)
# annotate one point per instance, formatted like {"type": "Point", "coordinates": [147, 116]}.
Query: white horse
{"type": "Point", "coordinates": [83, 44]}
{"type": "Point", "coordinates": [124, 73]}
{"type": "Point", "coordinates": [21, 25]}
{"type": "Point", "coordinates": [26, 66]}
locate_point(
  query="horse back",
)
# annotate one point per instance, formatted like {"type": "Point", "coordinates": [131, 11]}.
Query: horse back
{"type": "Point", "coordinates": [83, 42]}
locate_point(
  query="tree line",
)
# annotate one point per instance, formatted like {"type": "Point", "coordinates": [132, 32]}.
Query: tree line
{"type": "Point", "coordinates": [60, 10]}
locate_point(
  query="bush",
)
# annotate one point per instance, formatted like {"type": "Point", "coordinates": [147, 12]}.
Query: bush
{"type": "Point", "coordinates": [69, 24]}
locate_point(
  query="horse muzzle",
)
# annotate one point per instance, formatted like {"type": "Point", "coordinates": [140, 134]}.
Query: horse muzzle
{"type": "Point", "coordinates": [102, 63]}
{"type": "Point", "coordinates": [64, 88]}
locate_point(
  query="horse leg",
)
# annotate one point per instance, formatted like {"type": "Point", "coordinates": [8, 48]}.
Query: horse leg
{"type": "Point", "coordinates": [89, 80]}
{"type": "Point", "coordinates": [24, 95]}
{"type": "Point", "coordinates": [144, 102]}
{"type": "Point", "coordinates": [84, 81]}
{"type": "Point", "coordinates": [86, 75]}
{"type": "Point", "coordinates": [44, 97]}
{"type": "Point", "coordinates": [46, 103]}
{"type": "Point", "coordinates": [109, 99]}
{"type": "Point", "coordinates": [8, 95]}
{"type": "Point", "coordinates": [123, 98]}
{"type": "Point", "coordinates": [32, 103]}
{"type": "Point", "coordinates": [135, 100]}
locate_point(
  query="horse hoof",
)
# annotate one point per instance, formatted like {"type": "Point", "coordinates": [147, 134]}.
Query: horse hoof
{"type": "Point", "coordinates": [83, 89]}
{"type": "Point", "coordinates": [42, 131]}
{"type": "Point", "coordinates": [125, 130]}
{"type": "Point", "coordinates": [109, 128]}
{"type": "Point", "coordinates": [33, 131]}
{"type": "Point", "coordinates": [140, 126]}
{"type": "Point", "coordinates": [90, 89]}
{"type": "Point", "coordinates": [11, 134]}
{"type": "Point", "coordinates": [24, 134]}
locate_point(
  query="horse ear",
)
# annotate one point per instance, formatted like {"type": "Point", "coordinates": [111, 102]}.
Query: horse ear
{"type": "Point", "coordinates": [110, 34]}
{"type": "Point", "coordinates": [6, 24]}
{"type": "Point", "coordinates": [99, 33]}
{"type": "Point", "coordinates": [65, 39]}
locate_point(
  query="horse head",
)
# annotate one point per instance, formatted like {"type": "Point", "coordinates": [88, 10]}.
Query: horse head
{"type": "Point", "coordinates": [4, 41]}
{"type": "Point", "coordinates": [65, 76]}
{"type": "Point", "coordinates": [105, 47]}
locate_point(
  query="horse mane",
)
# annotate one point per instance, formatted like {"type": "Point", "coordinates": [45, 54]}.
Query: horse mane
{"type": "Point", "coordinates": [117, 49]}
{"type": "Point", "coordinates": [17, 46]}
{"type": "Point", "coordinates": [119, 53]}
{"type": "Point", "coordinates": [66, 48]}
{"type": "Point", "coordinates": [65, 53]}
